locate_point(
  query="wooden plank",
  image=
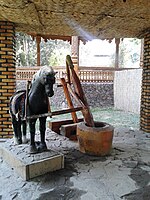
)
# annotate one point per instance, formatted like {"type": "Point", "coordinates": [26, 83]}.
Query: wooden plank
{"type": "Point", "coordinates": [78, 89]}
{"type": "Point", "coordinates": [55, 125]}
{"type": "Point", "coordinates": [68, 73]}
{"type": "Point", "coordinates": [38, 41]}
{"type": "Point", "coordinates": [58, 112]}
{"type": "Point", "coordinates": [69, 131]}
{"type": "Point", "coordinates": [69, 101]}
{"type": "Point", "coordinates": [76, 98]}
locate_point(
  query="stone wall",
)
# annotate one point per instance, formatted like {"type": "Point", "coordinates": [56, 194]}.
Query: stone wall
{"type": "Point", "coordinates": [127, 90]}
{"type": "Point", "coordinates": [7, 75]}
{"type": "Point", "coordinates": [98, 95]}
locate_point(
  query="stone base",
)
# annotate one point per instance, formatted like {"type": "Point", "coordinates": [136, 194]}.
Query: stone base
{"type": "Point", "coordinates": [30, 165]}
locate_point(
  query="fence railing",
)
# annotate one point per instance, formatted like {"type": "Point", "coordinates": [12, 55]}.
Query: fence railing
{"type": "Point", "coordinates": [86, 74]}
{"type": "Point", "coordinates": [93, 74]}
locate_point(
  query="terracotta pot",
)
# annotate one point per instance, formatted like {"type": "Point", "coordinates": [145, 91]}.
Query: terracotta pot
{"type": "Point", "coordinates": [95, 140]}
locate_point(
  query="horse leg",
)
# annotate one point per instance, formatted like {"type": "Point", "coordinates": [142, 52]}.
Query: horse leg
{"type": "Point", "coordinates": [17, 130]}
{"type": "Point", "coordinates": [33, 148]}
{"type": "Point", "coordinates": [24, 127]}
{"type": "Point", "coordinates": [43, 146]}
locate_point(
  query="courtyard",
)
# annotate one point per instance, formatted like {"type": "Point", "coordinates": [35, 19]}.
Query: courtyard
{"type": "Point", "coordinates": [125, 174]}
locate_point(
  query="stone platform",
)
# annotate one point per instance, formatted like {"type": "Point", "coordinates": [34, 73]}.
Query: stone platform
{"type": "Point", "coordinates": [30, 165]}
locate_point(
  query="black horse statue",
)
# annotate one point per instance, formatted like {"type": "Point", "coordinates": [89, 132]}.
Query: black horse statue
{"type": "Point", "coordinates": [41, 88]}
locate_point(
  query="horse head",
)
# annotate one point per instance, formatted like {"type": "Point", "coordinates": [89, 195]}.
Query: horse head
{"type": "Point", "coordinates": [47, 78]}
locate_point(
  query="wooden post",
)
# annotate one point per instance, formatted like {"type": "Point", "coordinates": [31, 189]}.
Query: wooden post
{"type": "Point", "coordinates": [117, 41]}
{"type": "Point", "coordinates": [142, 53]}
{"type": "Point", "coordinates": [75, 52]}
{"type": "Point", "coordinates": [79, 91]}
{"type": "Point", "coordinates": [69, 101]}
{"type": "Point", "coordinates": [38, 41]}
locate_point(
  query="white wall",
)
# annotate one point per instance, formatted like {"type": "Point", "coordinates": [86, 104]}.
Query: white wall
{"type": "Point", "coordinates": [127, 90]}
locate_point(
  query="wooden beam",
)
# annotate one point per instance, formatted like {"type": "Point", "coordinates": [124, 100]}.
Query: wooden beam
{"type": "Point", "coordinates": [58, 112]}
{"type": "Point", "coordinates": [76, 98]}
{"type": "Point", "coordinates": [142, 53]}
{"type": "Point", "coordinates": [55, 125]}
{"type": "Point", "coordinates": [56, 37]}
{"type": "Point", "coordinates": [51, 37]}
{"type": "Point", "coordinates": [117, 41]}
{"type": "Point", "coordinates": [79, 91]}
{"type": "Point", "coordinates": [38, 41]}
{"type": "Point", "coordinates": [69, 101]}
{"type": "Point", "coordinates": [75, 52]}
{"type": "Point", "coordinates": [69, 131]}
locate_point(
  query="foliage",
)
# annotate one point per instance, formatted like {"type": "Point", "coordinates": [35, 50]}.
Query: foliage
{"type": "Point", "coordinates": [102, 53]}
{"type": "Point", "coordinates": [130, 53]}
{"type": "Point", "coordinates": [53, 52]}
{"type": "Point", "coordinates": [93, 53]}
{"type": "Point", "coordinates": [25, 50]}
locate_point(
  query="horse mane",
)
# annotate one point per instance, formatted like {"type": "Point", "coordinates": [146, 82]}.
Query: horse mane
{"type": "Point", "coordinates": [42, 72]}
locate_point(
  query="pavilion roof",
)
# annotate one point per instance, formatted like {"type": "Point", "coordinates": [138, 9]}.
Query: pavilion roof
{"type": "Point", "coordinates": [87, 18]}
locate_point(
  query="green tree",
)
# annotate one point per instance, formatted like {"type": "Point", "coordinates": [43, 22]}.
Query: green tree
{"type": "Point", "coordinates": [25, 50]}
{"type": "Point", "coordinates": [53, 52]}
{"type": "Point", "coordinates": [130, 53]}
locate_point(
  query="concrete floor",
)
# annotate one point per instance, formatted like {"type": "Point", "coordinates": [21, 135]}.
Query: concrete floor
{"type": "Point", "coordinates": [125, 174]}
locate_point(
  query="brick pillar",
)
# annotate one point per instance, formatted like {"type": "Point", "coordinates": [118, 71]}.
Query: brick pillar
{"type": "Point", "coordinates": [145, 97]}
{"type": "Point", "coordinates": [7, 75]}
{"type": "Point", "coordinates": [75, 52]}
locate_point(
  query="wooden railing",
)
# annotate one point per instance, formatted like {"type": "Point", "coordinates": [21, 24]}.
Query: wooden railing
{"type": "Point", "coordinates": [96, 74]}
{"type": "Point", "coordinates": [86, 74]}
{"type": "Point", "coordinates": [25, 73]}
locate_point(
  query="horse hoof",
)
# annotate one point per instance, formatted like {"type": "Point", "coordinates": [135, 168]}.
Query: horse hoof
{"type": "Point", "coordinates": [33, 150]}
{"type": "Point", "coordinates": [43, 147]}
{"type": "Point", "coordinates": [24, 140]}
{"type": "Point", "coordinates": [17, 140]}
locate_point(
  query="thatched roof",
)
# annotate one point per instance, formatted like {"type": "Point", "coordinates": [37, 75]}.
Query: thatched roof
{"type": "Point", "coordinates": [90, 18]}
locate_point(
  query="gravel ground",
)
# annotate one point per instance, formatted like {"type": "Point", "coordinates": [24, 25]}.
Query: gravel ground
{"type": "Point", "coordinates": [117, 118]}
{"type": "Point", "coordinates": [123, 175]}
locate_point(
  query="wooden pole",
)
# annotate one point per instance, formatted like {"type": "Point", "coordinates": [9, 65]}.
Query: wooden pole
{"type": "Point", "coordinates": [69, 101]}
{"type": "Point", "coordinates": [75, 52]}
{"type": "Point", "coordinates": [117, 41]}
{"type": "Point", "coordinates": [57, 112]}
{"type": "Point", "coordinates": [38, 41]}
{"type": "Point", "coordinates": [142, 53]}
{"type": "Point", "coordinates": [79, 91]}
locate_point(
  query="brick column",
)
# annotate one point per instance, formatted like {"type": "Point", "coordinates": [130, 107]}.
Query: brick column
{"type": "Point", "coordinates": [7, 75]}
{"type": "Point", "coordinates": [145, 97]}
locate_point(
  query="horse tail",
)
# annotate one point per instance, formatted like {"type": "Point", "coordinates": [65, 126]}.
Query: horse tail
{"type": "Point", "coordinates": [17, 103]}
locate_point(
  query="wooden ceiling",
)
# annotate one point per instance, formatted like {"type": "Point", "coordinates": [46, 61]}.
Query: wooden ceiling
{"type": "Point", "coordinates": [86, 18]}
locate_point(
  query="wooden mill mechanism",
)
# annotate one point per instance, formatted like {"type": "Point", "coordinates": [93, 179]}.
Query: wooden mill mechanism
{"type": "Point", "coordinates": [95, 138]}
{"type": "Point", "coordinates": [76, 92]}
